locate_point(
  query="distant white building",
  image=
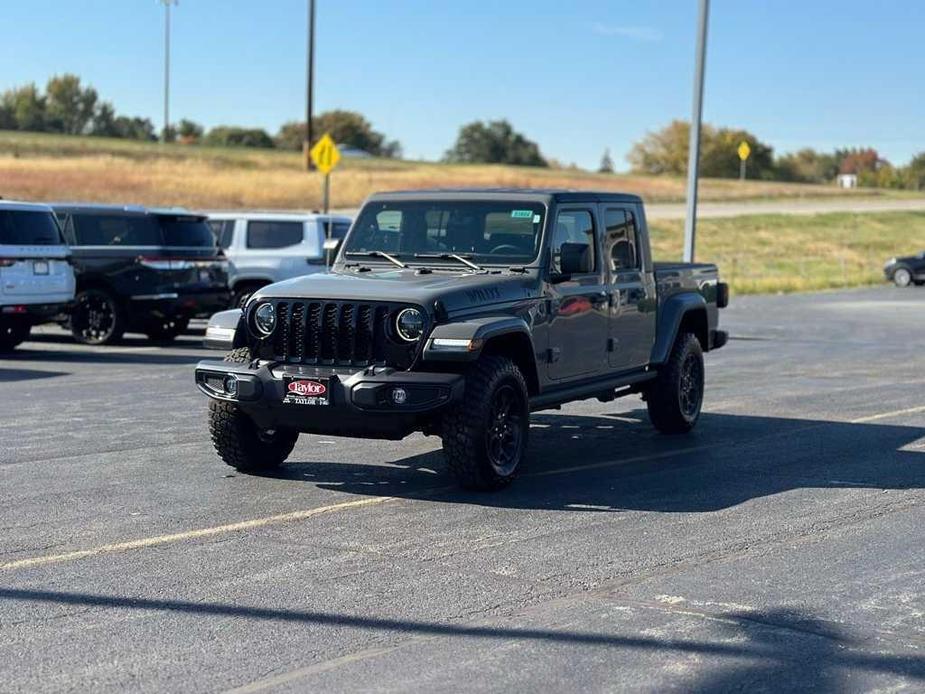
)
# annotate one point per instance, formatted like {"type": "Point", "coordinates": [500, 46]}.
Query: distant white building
{"type": "Point", "coordinates": [847, 180]}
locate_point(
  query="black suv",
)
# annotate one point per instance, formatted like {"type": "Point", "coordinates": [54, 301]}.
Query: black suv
{"type": "Point", "coordinates": [457, 313]}
{"type": "Point", "coordinates": [138, 269]}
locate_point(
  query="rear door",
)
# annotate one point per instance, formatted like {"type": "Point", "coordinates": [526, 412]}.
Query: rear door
{"type": "Point", "coordinates": [631, 287]}
{"type": "Point", "coordinates": [279, 249]}
{"type": "Point", "coordinates": [33, 258]}
{"type": "Point", "coordinates": [578, 307]}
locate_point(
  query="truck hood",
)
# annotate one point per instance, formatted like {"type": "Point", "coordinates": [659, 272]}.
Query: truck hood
{"type": "Point", "coordinates": [457, 291]}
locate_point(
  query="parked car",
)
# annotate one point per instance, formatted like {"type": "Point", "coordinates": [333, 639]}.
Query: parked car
{"type": "Point", "coordinates": [457, 314]}
{"type": "Point", "coordinates": [145, 270]}
{"type": "Point", "coordinates": [36, 278]}
{"type": "Point", "coordinates": [905, 271]}
{"type": "Point", "coordinates": [268, 247]}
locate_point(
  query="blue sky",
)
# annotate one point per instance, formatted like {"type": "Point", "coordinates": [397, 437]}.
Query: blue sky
{"type": "Point", "coordinates": [577, 77]}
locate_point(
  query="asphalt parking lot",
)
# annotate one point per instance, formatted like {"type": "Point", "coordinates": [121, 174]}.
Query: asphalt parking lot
{"type": "Point", "coordinates": [778, 547]}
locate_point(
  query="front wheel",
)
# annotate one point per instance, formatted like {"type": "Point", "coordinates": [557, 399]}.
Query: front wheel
{"type": "Point", "coordinates": [485, 435]}
{"type": "Point", "coordinates": [902, 277]}
{"type": "Point", "coordinates": [675, 397]}
{"type": "Point", "coordinates": [239, 441]}
{"type": "Point", "coordinates": [97, 318]}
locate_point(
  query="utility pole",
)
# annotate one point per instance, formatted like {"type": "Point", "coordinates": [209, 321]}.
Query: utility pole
{"type": "Point", "coordinates": [693, 156]}
{"type": "Point", "coordinates": [167, 4]}
{"type": "Point", "coordinates": [310, 78]}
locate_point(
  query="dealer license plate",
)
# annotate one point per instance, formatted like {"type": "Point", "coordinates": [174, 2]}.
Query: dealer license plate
{"type": "Point", "coordinates": [306, 391]}
{"type": "Point", "coordinates": [40, 267]}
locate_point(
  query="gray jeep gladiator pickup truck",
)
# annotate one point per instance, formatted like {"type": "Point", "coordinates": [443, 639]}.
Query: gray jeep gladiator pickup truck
{"type": "Point", "coordinates": [457, 313]}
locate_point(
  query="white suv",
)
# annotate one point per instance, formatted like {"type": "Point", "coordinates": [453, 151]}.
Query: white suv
{"type": "Point", "coordinates": [36, 277]}
{"type": "Point", "coordinates": [267, 247]}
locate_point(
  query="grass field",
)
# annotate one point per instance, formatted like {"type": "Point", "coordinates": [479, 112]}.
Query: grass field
{"type": "Point", "coordinates": [57, 167]}
{"type": "Point", "coordinates": [783, 253]}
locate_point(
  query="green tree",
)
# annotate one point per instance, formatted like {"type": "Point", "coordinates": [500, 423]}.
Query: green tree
{"type": "Point", "coordinates": [135, 128]}
{"type": "Point", "coordinates": [807, 166]}
{"type": "Point", "coordinates": [606, 163]}
{"type": "Point", "coordinates": [345, 127]}
{"type": "Point", "coordinates": [104, 121]}
{"type": "Point", "coordinates": [665, 152]}
{"type": "Point", "coordinates": [232, 136]}
{"type": "Point", "coordinates": [190, 131]}
{"type": "Point", "coordinates": [495, 142]}
{"type": "Point", "coordinates": [26, 105]}
{"type": "Point", "coordinates": [69, 106]}
{"type": "Point", "coordinates": [915, 172]}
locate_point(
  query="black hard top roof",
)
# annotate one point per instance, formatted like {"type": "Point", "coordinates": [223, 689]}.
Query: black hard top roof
{"type": "Point", "coordinates": [101, 208]}
{"type": "Point", "coordinates": [558, 195]}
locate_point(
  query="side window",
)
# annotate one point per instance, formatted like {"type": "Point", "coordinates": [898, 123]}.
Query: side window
{"type": "Point", "coordinates": [116, 230]}
{"type": "Point", "coordinates": [67, 228]}
{"type": "Point", "coordinates": [574, 235]}
{"type": "Point", "coordinates": [266, 235]}
{"type": "Point", "coordinates": [339, 230]}
{"type": "Point", "coordinates": [621, 239]}
{"type": "Point", "coordinates": [227, 234]}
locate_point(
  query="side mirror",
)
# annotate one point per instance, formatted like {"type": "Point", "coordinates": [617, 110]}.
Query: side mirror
{"type": "Point", "coordinates": [574, 259]}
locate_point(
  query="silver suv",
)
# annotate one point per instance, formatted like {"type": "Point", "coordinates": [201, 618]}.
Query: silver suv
{"type": "Point", "coordinates": [36, 277]}
{"type": "Point", "coordinates": [267, 247]}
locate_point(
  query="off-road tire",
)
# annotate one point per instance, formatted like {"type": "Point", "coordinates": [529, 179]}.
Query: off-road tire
{"type": "Point", "coordinates": [902, 277]}
{"type": "Point", "coordinates": [239, 441]}
{"type": "Point", "coordinates": [79, 322]}
{"type": "Point", "coordinates": [467, 427]}
{"type": "Point", "coordinates": [669, 410]}
{"type": "Point", "coordinates": [11, 336]}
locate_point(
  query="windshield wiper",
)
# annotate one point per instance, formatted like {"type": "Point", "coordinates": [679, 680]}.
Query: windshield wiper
{"type": "Point", "coordinates": [450, 256]}
{"type": "Point", "coordinates": [378, 254]}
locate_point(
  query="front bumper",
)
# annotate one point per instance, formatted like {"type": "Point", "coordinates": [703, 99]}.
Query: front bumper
{"type": "Point", "coordinates": [179, 304]}
{"type": "Point", "coordinates": [362, 404]}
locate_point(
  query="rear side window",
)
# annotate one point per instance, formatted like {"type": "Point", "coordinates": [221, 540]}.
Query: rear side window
{"type": "Point", "coordinates": [186, 231]}
{"type": "Point", "coordinates": [27, 228]}
{"type": "Point", "coordinates": [273, 234]}
{"type": "Point", "coordinates": [621, 239]}
{"type": "Point", "coordinates": [339, 230]}
{"type": "Point", "coordinates": [115, 230]}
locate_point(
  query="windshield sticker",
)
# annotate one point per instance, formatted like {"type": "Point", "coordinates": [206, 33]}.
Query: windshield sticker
{"type": "Point", "coordinates": [536, 219]}
{"type": "Point", "coordinates": [521, 214]}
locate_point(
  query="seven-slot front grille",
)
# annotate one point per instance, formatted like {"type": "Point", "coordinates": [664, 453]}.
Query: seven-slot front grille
{"type": "Point", "coordinates": [336, 332]}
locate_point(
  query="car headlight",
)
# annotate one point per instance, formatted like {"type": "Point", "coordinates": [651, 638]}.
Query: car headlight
{"type": "Point", "coordinates": [409, 325]}
{"type": "Point", "coordinates": [265, 318]}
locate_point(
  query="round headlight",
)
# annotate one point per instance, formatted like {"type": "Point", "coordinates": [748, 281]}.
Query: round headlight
{"type": "Point", "coordinates": [410, 325]}
{"type": "Point", "coordinates": [265, 318]}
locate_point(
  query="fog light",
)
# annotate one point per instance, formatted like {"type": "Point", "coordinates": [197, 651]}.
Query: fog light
{"type": "Point", "coordinates": [231, 386]}
{"type": "Point", "coordinates": [399, 396]}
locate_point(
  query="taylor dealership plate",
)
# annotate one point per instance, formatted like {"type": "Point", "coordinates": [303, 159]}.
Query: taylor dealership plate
{"type": "Point", "coordinates": [306, 391]}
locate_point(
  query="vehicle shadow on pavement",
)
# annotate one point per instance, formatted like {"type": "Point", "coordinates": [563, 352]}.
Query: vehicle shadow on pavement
{"type": "Point", "coordinates": [13, 375]}
{"type": "Point", "coordinates": [618, 463]}
{"type": "Point", "coordinates": [772, 650]}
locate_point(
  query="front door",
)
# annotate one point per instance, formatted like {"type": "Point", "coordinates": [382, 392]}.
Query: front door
{"type": "Point", "coordinates": [579, 301]}
{"type": "Point", "coordinates": [633, 301]}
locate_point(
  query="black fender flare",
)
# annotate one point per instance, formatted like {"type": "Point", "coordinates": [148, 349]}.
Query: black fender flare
{"type": "Point", "coordinates": [226, 330]}
{"type": "Point", "coordinates": [670, 316]}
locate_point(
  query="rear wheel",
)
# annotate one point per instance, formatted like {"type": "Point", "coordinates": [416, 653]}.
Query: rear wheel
{"type": "Point", "coordinates": [485, 435]}
{"type": "Point", "coordinates": [12, 335]}
{"type": "Point", "coordinates": [902, 277]}
{"type": "Point", "coordinates": [97, 318]}
{"type": "Point", "coordinates": [239, 441]}
{"type": "Point", "coordinates": [675, 398]}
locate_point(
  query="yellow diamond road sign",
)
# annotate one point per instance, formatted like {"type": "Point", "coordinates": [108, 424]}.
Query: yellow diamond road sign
{"type": "Point", "coordinates": [325, 154]}
{"type": "Point", "coordinates": [744, 150]}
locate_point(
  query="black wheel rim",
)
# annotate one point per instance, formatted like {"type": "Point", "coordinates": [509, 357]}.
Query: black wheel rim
{"type": "Point", "coordinates": [504, 435]}
{"type": "Point", "coordinates": [95, 317]}
{"type": "Point", "coordinates": [690, 389]}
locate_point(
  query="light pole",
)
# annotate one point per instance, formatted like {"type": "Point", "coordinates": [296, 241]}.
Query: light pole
{"type": "Point", "coordinates": [309, 87]}
{"type": "Point", "coordinates": [167, 4]}
{"type": "Point", "coordinates": [693, 155]}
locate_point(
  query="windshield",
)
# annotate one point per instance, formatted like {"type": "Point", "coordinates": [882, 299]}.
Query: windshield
{"type": "Point", "coordinates": [22, 228]}
{"type": "Point", "coordinates": [186, 231]}
{"type": "Point", "coordinates": [486, 232]}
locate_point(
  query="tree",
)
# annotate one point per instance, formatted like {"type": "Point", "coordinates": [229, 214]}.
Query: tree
{"type": "Point", "coordinates": [135, 128]}
{"type": "Point", "coordinates": [190, 131]}
{"type": "Point", "coordinates": [26, 106]}
{"type": "Point", "coordinates": [104, 121]}
{"type": "Point", "coordinates": [495, 142]}
{"type": "Point", "coordinates": [859, 160]}
{"type": "Point", "coordinates": [232, 136]}
{"type": "Point", "coordinates": [807, 166]}
{"type": "Point", "coordinates": [665, 152]}
{"type": "Point", "coordinates": [606, 163]}
{"type": "Point", "coordinates": [345, 127]}
{"type": "Point", "coordinates": [915, 172]}
{"type": "Point", "coordinates": [69, 107]}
